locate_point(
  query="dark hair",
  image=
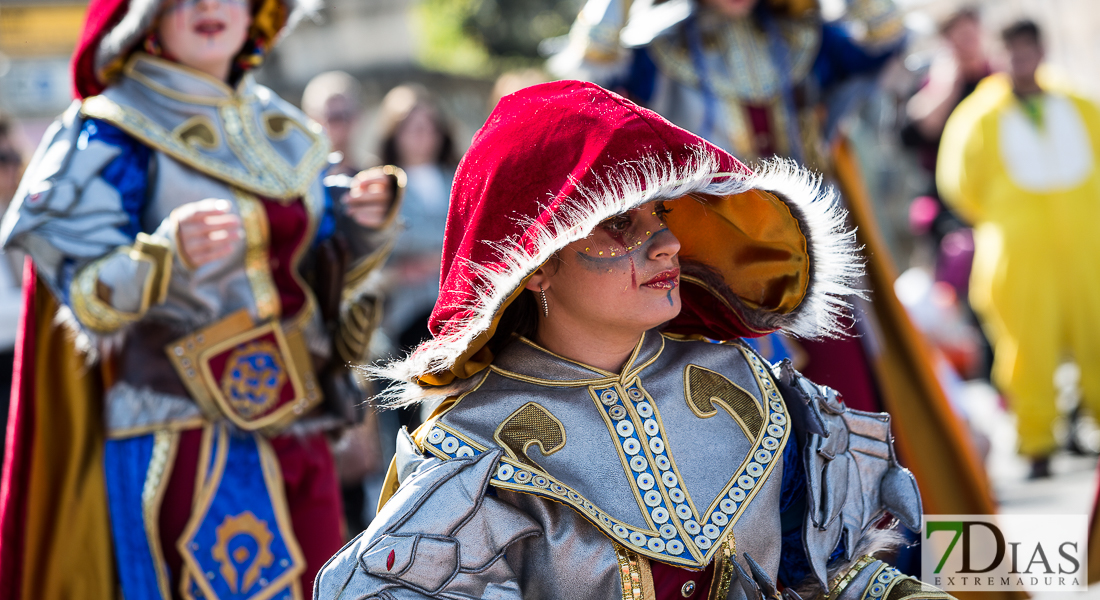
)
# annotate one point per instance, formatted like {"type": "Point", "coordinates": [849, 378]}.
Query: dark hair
{"type": "Point", "coordinates": [520, 318]}
{"type": "Point", "coordinates": [968, 12]}
{"type": "Point", "coordinates": [409, 98]}
{"type": "Point", "coordinates": [1022, 28]}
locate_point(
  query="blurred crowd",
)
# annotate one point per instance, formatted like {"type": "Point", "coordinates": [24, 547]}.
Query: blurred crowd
{"type": "Point", "coordinates": [944, 230]}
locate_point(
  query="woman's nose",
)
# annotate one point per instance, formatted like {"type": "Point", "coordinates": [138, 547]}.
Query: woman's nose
{"type": "Point", "coordinates": [665, 245]}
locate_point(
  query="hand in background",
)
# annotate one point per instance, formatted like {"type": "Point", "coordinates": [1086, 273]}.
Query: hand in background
{"type": "Point", "coordinates": [208, 230]}
{"type": "Point", "coordinates": [368, 202]}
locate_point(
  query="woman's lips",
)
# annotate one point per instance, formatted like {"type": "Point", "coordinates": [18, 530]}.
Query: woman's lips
{"type": "Point", "coordinates": [665, 280]}
{"type": "Point", "coordinates": [209, 27]}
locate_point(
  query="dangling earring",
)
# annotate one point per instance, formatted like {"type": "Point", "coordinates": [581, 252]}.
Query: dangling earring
{"type": "Point", "coordinates": [152, 46]}
{"type": "Point", "coordinates": [545, 307]}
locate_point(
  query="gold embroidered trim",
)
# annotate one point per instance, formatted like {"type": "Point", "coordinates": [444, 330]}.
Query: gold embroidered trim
{"type": "Point", "coordinates": [357, 322]}
{"type": "Point", "coordinates": [244, 139]}
{"type": "Point", "coordinates": [838, 586]}
{"type": "Point", "coordinates": [159, 250]}
{"type": "Point", "coordinates": [257, 262]}
{"type": "Point", "coordinates": [635, 576]}
{"type": "Point", "coordinates": [199, 130]}
{"type": "Point", "coordinates": [750, 74]}
{"type": "Point", "coordinates": [265, 173]}
{"type": "Point", "coordinates": [683, 546]}
{"type": "Point", "coordinates": [157, 475]}
{"type": "Point", "coordinates": [91, 310]}
{"type": "Point", "coordinates": [705, 390]}
{"type": "Point", "coordinates": [530, 424]}
{"type": "Point", "coordinates": [361, 270]}
{"type": "Point", "coordinates": [131, 71]}
{"type": "Point", "coordinates": [208, 476]}
{"type": "Point", "coordinates": [723, 570]}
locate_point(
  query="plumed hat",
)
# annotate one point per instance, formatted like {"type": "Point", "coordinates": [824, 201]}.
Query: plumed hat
{"type": "Point", "coordinates": [759, 251]}
{"type": "Point", "coordinates": [114, 28]}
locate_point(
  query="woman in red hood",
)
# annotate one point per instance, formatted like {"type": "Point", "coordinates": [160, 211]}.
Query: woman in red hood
{"type": "Point", "coordinates": [601, 431]}
{"type": "Point", "coordinates": [181, 225]}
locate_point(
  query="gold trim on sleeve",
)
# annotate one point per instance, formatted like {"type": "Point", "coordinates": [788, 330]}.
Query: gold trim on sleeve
{"type": "Point", "coordinates": [160, 252]}
{"type": "Point", "coordinates": [842, 582]}
{"type": "Point", "coordinates": [91, 310]}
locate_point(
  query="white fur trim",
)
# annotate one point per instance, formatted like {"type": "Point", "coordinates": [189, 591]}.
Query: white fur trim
{"type": "Point", "coordinates": [834, 268]}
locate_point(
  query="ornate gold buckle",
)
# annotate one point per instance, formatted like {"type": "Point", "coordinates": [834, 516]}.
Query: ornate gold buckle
{"type": "Point", "coordinates": [257, 376]}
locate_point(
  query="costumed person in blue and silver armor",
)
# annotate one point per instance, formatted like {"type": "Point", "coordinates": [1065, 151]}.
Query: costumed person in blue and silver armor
{"type": "Point", "coordinates": [178, 217]}
{"type": "Point", "coordinates": [593, 441]}
{"type": "Point", "coordinates": [770, 78]}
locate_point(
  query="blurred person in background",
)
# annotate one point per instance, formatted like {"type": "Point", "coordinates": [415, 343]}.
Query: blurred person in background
{"type": "Point", "coordinates": [200, 290]}
{"type": "Point", "coordinates": [11, 268]}
{"type": "Point", "coordinates": [768, 79]}
{"type": "Point", "coordinates": [952, 76]}
{"type": "Point", "coordinates": [416, 137]}
{"type": "Point", "coordinates": [333, 100]}
{"type": "Point", "coordinates": [1019, 161]}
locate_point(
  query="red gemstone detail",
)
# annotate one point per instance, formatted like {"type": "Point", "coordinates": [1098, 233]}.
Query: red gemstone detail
{"type": "Point", "coordinates": [389, 560]}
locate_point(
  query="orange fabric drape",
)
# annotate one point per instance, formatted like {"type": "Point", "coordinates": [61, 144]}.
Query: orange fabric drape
{"type": "Point", "coordinates": [67, 542]}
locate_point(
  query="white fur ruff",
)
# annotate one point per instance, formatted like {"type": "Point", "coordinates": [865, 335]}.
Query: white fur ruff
{"type": "Point", "coordinates": [832, 247]}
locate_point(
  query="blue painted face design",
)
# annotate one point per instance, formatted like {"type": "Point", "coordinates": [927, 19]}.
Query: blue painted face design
{"type": "Point", "coordinates": [625, 239]}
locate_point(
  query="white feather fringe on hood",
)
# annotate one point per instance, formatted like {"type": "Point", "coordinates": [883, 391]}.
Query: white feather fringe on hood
{"type": "Point", "coordinates": [496, 238]}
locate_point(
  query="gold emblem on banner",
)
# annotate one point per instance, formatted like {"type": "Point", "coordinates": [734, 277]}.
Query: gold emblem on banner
{"type": "Point", "coordinates": [243, 549]}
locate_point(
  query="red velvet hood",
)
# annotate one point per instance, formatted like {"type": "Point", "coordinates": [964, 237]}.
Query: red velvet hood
{"type": "Point", "coordinates": [770, 248]}
{"type": "Point", "coordinates": [114, 28]}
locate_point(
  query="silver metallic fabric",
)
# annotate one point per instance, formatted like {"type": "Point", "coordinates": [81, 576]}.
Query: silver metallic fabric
{"type": "Point", "coordinates": [577, 451]}
{"type": "Point", "coordinates": [852, 473]}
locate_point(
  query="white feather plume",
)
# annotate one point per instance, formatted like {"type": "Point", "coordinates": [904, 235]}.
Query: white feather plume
{"type": "Point", "coordinates": [832, 246]}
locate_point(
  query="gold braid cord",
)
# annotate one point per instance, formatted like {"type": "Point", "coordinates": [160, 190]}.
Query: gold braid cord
{"type": "Point", "coordinates": [637, 579]}
{"type": "Point", "coordinates": [886, 583]}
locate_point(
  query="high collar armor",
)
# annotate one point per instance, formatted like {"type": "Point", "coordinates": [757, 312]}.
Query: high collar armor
{"type": "Point", "coordinates": [623, 448]}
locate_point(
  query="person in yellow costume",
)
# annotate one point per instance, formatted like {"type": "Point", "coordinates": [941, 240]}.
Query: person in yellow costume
{"type": "Point", "coordinates": [1019, 161]}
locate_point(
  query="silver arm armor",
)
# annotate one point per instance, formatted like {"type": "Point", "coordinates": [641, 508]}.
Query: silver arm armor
{"type": "Point", "coordinates": [64, 210]}
{"type": "Point", "coordinates": [852, 474]}
{"type": "Point", "coordinates": [62, 207]}
{"type": "Point", "coordinates": [439, 536]}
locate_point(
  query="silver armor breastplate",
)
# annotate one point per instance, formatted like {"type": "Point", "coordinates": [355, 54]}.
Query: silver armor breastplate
{"type": "Point", "coordinates": [623, 450]}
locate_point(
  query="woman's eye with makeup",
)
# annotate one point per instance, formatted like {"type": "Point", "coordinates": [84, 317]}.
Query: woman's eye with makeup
{"type": "Point", "coordinates": [617, 224]}
{"type": "Point", "coordinates": [661, 211]}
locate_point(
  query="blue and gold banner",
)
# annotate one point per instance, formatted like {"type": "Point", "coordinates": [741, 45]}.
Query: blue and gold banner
{"type": "Point", "coordinates": [239, 544]}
